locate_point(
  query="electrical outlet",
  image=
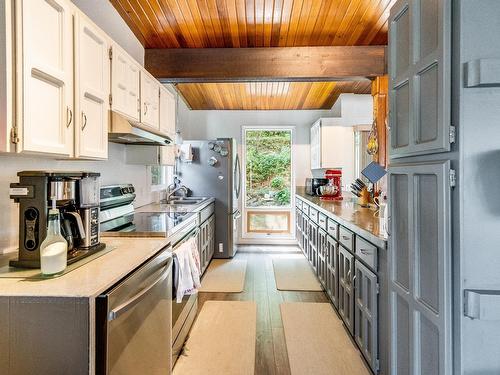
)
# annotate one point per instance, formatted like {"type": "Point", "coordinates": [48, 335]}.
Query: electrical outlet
{"type": "Point", "coordinates": [221, 247]}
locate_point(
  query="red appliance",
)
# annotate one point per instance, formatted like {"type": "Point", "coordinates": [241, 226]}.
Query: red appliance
{"type": "Point", "coordinates": [333, 190]}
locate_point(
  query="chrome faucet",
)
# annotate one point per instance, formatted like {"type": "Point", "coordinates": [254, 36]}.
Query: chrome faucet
{"type": "Point", "coordinates": [171, 191]}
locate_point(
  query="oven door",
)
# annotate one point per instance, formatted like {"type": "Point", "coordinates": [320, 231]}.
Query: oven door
{"type": "Point", "coordinates": [134, 322]}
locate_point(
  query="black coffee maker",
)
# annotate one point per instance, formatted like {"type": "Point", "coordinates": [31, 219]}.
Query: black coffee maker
{"type": "Point", "coordinates": [77, 197]}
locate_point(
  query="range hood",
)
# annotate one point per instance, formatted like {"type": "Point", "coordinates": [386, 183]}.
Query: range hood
{"type": "Point", "coordinates": [123, 130]}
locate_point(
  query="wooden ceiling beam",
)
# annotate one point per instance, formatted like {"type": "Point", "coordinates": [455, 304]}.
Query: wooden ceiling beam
{"type": "Point", "coordinates": [305, 64]}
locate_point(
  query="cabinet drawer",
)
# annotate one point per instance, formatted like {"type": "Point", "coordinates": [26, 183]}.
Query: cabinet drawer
{"type": "Point", "coordinates": [313, 215]}
{"type": "Point", "coordinates": [367, 252]}
{"type": "Point", "coordinates": [333, 228]}
{"type": "Point", "coordinates": [305, 208]}
{"type": "Point", "coordinates": [298, 204]}
{"type": "Point", "coordinates": [322, 221]}
{"type": "Point", "coordinates": [346, 238]}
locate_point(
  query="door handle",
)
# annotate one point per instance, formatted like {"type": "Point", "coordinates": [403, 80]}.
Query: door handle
{"type": "Point", "coordinates": [145, 108]}
{"type": "Point", "coordinates": [84, 116]}
{"type": "Point", "coordinates": [131, 302]}
{"type": "Point", "coordinates": [69, 115]}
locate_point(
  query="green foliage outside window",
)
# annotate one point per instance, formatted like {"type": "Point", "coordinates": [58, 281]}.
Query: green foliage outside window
{"type": "Point", "coordinates": [268, 167]}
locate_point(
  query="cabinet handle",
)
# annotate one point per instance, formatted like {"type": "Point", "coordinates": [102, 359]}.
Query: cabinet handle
{"type": "Point", "coordinates": [145, 108]}
{"type": "Point", "coordinates": [138, 105]}
{"type": "Point", "coordinates": [84, 116]}
{"type": "Point", "coordinates": [346, 238]}
{"type": "Point", "coordinates": [69, 114]}
{"type": "Point", "coordinates": [365, 251]}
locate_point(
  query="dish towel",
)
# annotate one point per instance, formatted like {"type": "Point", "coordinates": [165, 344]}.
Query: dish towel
{"type": "Point", "coordinates": [186, 153]}
{"type": "Point", "coordinates": [188, 270]}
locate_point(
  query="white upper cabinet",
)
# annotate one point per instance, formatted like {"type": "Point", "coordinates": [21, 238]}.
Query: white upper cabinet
{"type": "Point", "coordinates": [92, 88]}
{"type": "Point", "coordinates": [332, 146]}
{"type": "Point", "coordinates": [167, 112]}
{"type": "Point", "coordinates": [150, 101]}
{"type": "Point", "coordinates": [125, 84]}
{"type": "Point", "coordinates": [45, 114]}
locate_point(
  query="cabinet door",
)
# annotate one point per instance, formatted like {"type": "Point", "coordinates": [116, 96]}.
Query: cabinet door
{"type": "Point", "coordinates": [365, 313]}
{"type": "Point", "coordinates": [45, 58]}
{"type": "Point", "coordinates": [322, 247]}
{"type": "Point", "coordinates": [211, 231]}
{"type": "Point", "coordinates": [167, 112]}
{"type": "Point", "coordinates": [332, 270]}
{"type": "Point", "coordinates": [346, 292]}
{"type": "Point", "coordinates": [420, 268]}
{"type": "Point", "coordinates": [316, 145]}
{"type": "Point", "coordinates": [419, 69]}
{"type": "Point", "coordinates": [313, 244]}
{"type": "Point", "coordinates": [92, 89]}
{"type": "Point", "coordinates": [305, 235]}
{"type": "Point", "coordinates": [298, 227]}
{"type": "Point", "coordinates": [150, 101]}
{"type": "Point", "coordinates": [125, 83]}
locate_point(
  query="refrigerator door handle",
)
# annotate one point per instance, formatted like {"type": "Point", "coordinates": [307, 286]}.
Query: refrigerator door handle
{"type": "Point", "coordinates": [237, 176]}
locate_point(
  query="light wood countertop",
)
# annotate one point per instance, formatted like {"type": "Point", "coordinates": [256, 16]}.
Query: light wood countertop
{"type": "Point", "coordinates": [92, 278]}
{"type": "Point", "coordinates": [358, 219]}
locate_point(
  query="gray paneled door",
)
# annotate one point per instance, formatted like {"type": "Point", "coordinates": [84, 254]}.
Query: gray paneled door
{"type": "Point", "coordinates": [346, 290]}
{"type": "Point", "coordinates": [332, 270]}
{"type": "Point", "coordinates": [420, 269]}
{"type": "Point", "coordinates": [366, 313]}
{"type": "Point", "coordinates": [419, 70]}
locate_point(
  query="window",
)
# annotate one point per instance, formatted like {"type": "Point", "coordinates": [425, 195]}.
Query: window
{"type": "Point", "coordinates": [268, 181]}
{"type": "Point", "coordinates": [161, 177]}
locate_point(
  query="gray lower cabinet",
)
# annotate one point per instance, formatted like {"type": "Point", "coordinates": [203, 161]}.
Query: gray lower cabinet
{"type": "Point", "coordinates": [321, 269]}
{"type": "Point", "coordinates": [346, 290]}
{"type": "Point", "coordinates": [313, 244]}
{"type": "Point", "coordinates": [206, 242]}
{"type": "Point", "coordinates": [365, 313]}
{"type": "Point", "coordinates": [332, 275]}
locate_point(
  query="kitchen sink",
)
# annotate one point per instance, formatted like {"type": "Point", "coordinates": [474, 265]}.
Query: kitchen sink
{"type": "Point", "coordinates": [182, 202]}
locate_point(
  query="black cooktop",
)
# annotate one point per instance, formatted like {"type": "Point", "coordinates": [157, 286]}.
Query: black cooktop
{"type": "Point", "coordinates": [153, 222]}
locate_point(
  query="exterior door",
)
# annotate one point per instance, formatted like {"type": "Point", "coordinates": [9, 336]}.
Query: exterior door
{"type": "Point", "coordinates": [92, 89]}
{"type": "Point", "coordinates": [45, 56]}
{"type": "Point", "coordinates": [420, 268]}
{"type": "Point", "coordinates": [346, 290]}
{"type": "Point", "coordinates": [366, 314]}
{"type": "Point", "coordinates": [125, 83]}
{"type": "Point", "coordinates": [332, 270]}
{"type": "Point", "coordinates": [419, 70]}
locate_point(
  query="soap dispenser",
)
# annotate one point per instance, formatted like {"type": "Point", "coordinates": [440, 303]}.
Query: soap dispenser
{"type": "Point", "coordinates": [54, 249]}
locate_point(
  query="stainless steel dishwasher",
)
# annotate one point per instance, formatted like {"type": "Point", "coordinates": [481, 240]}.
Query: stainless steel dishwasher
{"type": "Point", "coordinates": [134, 321]}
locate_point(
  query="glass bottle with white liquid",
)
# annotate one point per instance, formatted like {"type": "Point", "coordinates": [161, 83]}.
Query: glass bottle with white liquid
{"type": "Point", "coordinates": [54, 249]}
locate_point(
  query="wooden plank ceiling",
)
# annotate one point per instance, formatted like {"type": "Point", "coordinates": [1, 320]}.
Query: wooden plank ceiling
{"type": "Point", "coordinates": [268, 95]}
{"type": "Point", "coordinates": [258, 23]}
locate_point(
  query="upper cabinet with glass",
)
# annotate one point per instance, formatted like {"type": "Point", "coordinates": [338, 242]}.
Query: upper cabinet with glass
{"type": "Point", "coordinates": [419, 68]}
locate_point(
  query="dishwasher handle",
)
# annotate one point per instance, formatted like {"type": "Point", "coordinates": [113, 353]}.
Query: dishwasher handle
{"type": "Point", "coordinates": [131, 302]}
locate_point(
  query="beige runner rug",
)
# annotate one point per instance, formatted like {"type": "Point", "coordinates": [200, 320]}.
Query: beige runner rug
{"type": "Point", "coordinates": [317, 342]}
{"type": "Point", "coordinates": [295, 274]}
{"type": "Point", "coordinates": [222, 341]}
{"type": "Point", "coordinates": [224, 276]}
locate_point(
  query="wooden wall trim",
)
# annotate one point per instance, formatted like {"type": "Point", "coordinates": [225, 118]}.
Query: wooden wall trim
{"type": "Point", "coordinates": [307, 64]}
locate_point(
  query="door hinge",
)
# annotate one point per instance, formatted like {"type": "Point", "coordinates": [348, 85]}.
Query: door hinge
{"type": "Point", "coordinates": [110, 99]}
{"type": "Point", "coordinates": [453, 134]}
{"type": "Point", "coordinates": [14, 138]}
{"type": "Point", "coordinates": [453, 178]}
{"type": "Point", "coordinates": [110, 53]}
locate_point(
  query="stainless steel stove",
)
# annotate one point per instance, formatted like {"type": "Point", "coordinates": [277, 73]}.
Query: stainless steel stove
{"type": "Point", "coordinates": [119, 218]}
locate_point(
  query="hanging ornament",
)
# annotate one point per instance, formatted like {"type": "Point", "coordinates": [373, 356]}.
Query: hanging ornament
{"type": "Point", "coordinates": [372, 146]}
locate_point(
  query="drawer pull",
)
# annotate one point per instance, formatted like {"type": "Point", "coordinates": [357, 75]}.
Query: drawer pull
{"type": "Point", "coordinates": [366, 251]}
{"type": "Point", "coordinates": [347, 238]}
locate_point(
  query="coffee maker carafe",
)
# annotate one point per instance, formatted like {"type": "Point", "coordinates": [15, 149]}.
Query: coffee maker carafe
{"type": "Point", "coordinates": [77, 198]}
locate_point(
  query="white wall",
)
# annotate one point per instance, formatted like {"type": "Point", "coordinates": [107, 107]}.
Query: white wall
{"type": "Point", "coordinates": [213, 124]}
{"type": "Point", "coordinates": [114, 170]}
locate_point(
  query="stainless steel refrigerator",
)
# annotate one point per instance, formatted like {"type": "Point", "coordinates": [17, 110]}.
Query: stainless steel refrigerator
{"type": "Point", "coordinates": [215, 171]}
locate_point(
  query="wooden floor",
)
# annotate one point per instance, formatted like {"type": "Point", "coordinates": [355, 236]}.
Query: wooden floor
{"type": "Point", "coordinates": [270, 355]}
